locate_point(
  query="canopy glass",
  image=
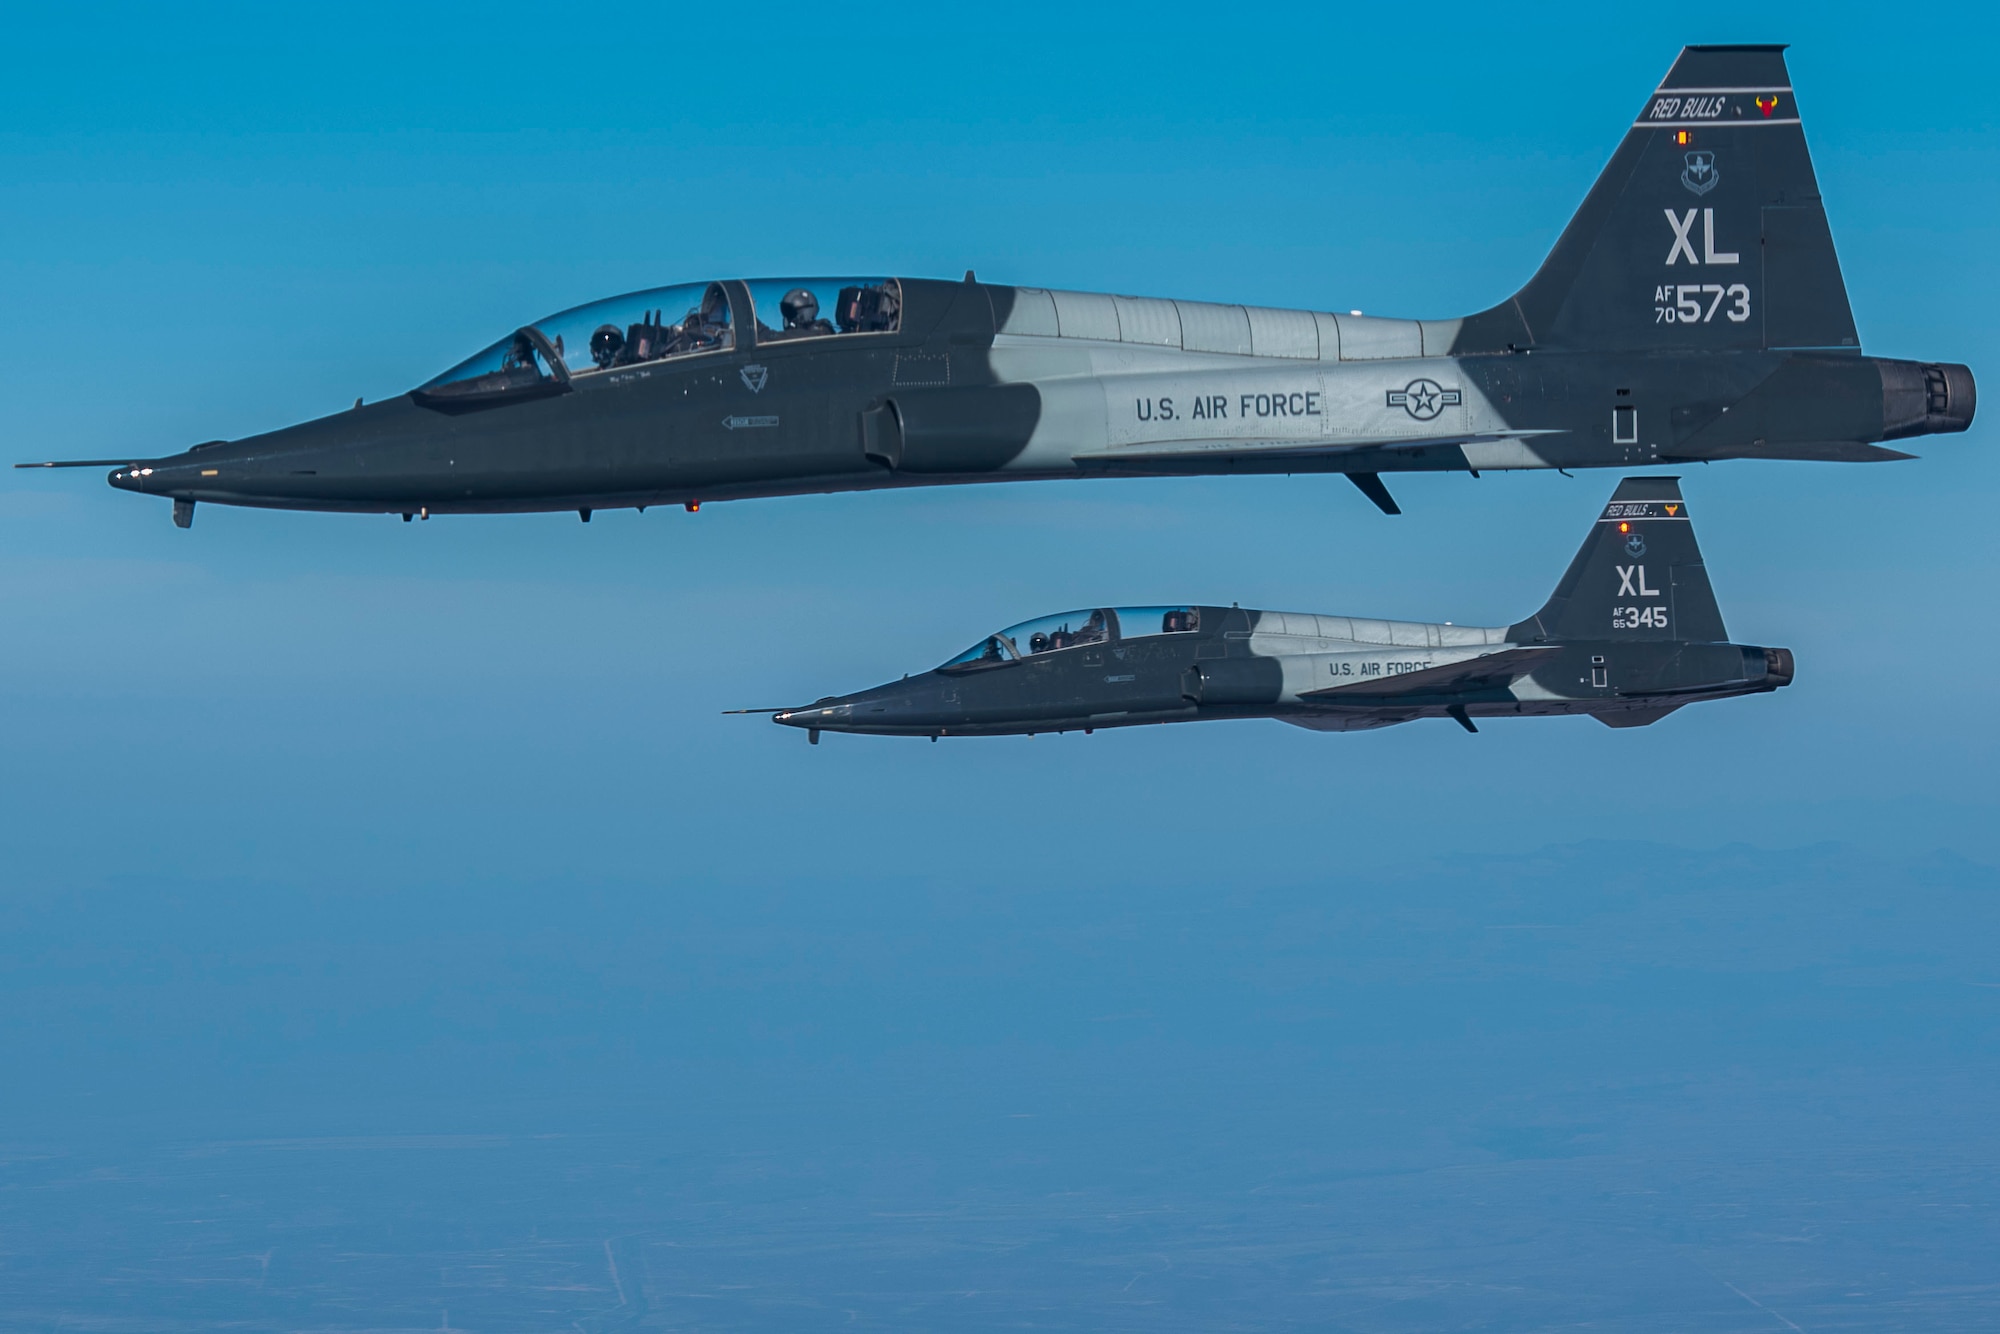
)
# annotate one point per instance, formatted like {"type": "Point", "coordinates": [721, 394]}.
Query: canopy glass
{"type": "Point", "coordinates": [1073, 629]}
{"type": "Point", "coordinates": [662, 323]}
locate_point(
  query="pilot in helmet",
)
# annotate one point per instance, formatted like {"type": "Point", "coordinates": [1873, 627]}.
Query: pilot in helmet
{"type": "Point", "coordinates": [800, 308]}
{"type": "Point", "coordinates": [605, 345]}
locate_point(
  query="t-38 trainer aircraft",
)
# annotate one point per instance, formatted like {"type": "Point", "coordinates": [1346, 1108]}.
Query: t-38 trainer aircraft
{"type": "Point", "coordinates": [1632, 633]}
{"type": "Point", "coordinates": [1693, 309]}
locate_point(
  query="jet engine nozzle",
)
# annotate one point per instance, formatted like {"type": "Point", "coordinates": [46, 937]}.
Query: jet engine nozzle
{"type": "Point", "coordinates": [1778, 666]}
{"type": "Point", "coordinates": [1921, 398]}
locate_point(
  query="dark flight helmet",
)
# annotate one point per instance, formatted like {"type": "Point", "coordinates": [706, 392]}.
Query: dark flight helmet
{"type": "Point", "coordinates": [799, 308]}
{"type": "Point", "coordinates": [605, 344]}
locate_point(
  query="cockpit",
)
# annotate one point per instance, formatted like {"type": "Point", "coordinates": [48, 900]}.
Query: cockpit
{"type": "Point", "coordinates": [1073, 629]}
{"type": "Point", "coordinates": [542, 359]}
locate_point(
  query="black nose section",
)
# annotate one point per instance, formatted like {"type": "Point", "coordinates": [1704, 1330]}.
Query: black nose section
{"type": "Point", "coordinates": [831, 713]}
{"type": "Point", "coordinates": [188, 470]}
{"type": "Point", "coordinates": [895, 708]}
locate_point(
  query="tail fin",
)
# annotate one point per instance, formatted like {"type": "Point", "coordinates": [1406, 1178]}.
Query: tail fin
{"type": "Point", "coordinates": [1705, 232]}
{"type": "Point", "coordinates": [1639, 576]}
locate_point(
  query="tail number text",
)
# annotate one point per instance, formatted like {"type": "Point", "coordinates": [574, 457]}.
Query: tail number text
{"type": "Point", "coordinates": [1632, 584]}
{"type": "Point", "coordinates": [1638, 618]}
{"type": "Point", "coordinates": [1696, 303]}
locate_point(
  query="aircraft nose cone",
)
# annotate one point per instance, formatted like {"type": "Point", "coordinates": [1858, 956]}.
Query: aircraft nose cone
{"type": "Point", "coordinates": [165, 476]}
{"type": "Point", "coordinates": [826, 713]}
{"type": "Point", "coordinates": [890, 708]}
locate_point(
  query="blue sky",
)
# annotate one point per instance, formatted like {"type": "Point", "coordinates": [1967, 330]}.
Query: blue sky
{"type": "Point", "coordinates": [335, 826]}
{"type": "Point", "coordinates": [221, 225]}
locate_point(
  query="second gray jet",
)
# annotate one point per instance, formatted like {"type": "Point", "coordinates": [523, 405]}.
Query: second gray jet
{"type": "Point", "coordinates": [1632, 633]}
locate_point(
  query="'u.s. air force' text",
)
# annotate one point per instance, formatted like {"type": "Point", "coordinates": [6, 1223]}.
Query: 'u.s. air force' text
{"type": "Point", "coordinates": [1298, 403]}
{"type": "Point", "coordinates": [1350, 667]}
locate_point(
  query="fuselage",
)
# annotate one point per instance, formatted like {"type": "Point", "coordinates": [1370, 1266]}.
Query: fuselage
{"type": "Point", "coordinates": [1119, 667]}
{"type": "Point", "coordinates": [971, 382]}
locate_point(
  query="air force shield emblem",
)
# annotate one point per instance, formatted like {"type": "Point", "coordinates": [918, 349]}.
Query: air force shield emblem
{"type": "Point", "coordinates": [1701, 175]}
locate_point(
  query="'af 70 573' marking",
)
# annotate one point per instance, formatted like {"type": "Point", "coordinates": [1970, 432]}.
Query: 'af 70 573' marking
{"type": "Point", "coordinates": [1682, 303]}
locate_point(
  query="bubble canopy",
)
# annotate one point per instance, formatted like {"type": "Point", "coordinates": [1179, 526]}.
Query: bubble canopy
{"type": "Point", "coordinates": [659, 323]}
{"type": "Point", "coordinates": [1074, 629]}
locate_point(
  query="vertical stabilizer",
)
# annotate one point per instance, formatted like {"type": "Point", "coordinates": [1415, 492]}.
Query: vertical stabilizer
{"type": "Point", "coordinates": [1639, 576]}
{"type": "Point", "coordinates": [1704, 233]}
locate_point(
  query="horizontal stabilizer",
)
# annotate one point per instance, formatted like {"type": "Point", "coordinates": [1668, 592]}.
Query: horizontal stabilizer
{"type": "Point", "coordinates": [1487, 669]}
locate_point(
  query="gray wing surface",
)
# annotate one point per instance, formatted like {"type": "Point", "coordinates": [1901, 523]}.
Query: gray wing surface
{"type": "Point", "coordinates": [1160, 453]}
{"type": "Point", "coordinates": [1488, 669]}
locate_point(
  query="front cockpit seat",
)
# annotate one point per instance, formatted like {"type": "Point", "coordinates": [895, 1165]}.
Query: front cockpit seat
{"type": "Point", "coordinates": [707, 325]}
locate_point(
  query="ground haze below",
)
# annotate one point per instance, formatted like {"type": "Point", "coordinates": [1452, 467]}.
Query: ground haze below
{"type": "Point", "coordinates": [1607, 1083]}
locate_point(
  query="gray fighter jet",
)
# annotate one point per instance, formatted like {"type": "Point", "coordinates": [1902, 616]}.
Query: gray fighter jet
{"type": "Point", "coordinates": [1632, 633]}
{"type": "Point", "coordinates": [1692, 310]}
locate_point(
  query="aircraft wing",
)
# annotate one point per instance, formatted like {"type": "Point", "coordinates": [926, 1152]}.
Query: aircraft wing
{"type": "Point", "coordinates": [1487, 669]}
{"type": "Point", "coordinates": [1155, 454]}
